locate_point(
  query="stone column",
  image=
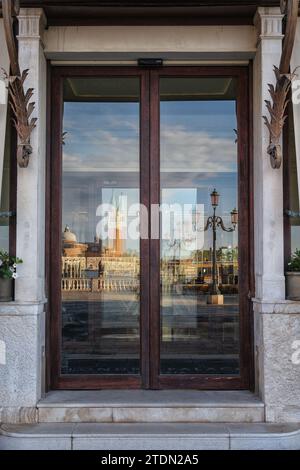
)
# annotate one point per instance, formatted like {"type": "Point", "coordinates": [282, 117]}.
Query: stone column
{"type": "Point", "coordinates": [22, 323]}
{"type": "Point", "coordinates": [277, 321]}
{"type": "Point", "coordinates": [268, 195]}
{"type": "Point", "coordinates": [31, 181]}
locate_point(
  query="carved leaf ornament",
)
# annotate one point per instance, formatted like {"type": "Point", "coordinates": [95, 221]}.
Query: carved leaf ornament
{"type": "Point", "coordinates": [279, 93]}
{"type": "Point", "coordinates": [19, 100]}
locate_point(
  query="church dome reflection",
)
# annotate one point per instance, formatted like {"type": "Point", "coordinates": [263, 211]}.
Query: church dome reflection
{"type": "Point", "coordinates": [69, 236]}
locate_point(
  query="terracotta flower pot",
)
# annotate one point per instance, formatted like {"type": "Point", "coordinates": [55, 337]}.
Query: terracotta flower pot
{"type": "Point", "coordinates": [293, 285]}
{"type": "Point", "coordinates": [6, 290]}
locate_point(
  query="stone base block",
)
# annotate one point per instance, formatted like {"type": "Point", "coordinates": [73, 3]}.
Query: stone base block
{"type": "Point", "coordinates": [285, 414]}
{"type": "Point", "coordinates": [23, 338]}
{"type": "Point", "coordinates": [277, 359]}
{"type": "Point", "coordinates": [140, 406]}
{"type": "Point", "coordinates": [19, 415]}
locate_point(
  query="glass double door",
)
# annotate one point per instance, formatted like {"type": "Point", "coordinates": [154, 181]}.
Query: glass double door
{"type": "Point", "coordinates": [149, 257]}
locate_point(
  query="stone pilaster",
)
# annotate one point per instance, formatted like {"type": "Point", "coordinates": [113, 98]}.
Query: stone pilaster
{"type": "Point", "coordinates": [22, 323]}
{"type": "Point", "coordinates": [277, 322]}
{"type": "Point", "coordinates": [30, 287]}
{"type": "Point", "coordinates": [268, 196]}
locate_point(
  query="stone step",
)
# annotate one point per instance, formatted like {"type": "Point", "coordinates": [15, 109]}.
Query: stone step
{"type": "Point", "coordinates": [141, 406]}
{"type": "Point", "coordinates": [150, 436]}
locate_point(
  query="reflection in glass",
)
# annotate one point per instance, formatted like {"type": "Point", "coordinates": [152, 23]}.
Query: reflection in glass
{"type": "Point", "coordinates": [293, 190]}
{"type": "Point", "coordinates": [200, 327]}
{"type": "Point", "coordinates": [100, 275]}
{"type": "Point", "coordinates": [5, 191]}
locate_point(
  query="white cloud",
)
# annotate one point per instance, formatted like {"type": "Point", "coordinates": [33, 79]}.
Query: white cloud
{"type": "Point", "coordinates": [186, 150]}
{"type": "Point", "coordinates": [181, 150]}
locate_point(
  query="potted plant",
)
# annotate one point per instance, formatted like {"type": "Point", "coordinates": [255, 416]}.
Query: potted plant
{"type": "Point", "coordinates": [293, 277]}
{"type": "Point", "coordinates": [8, 266]}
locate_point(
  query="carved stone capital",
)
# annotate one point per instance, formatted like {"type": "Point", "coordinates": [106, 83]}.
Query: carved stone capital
{"type": "Point", "coordinates": [268, 22]}
{"type": "Point", "coordinates": [32, 23]}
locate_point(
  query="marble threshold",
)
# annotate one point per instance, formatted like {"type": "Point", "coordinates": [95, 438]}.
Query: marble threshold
{"type": "Point", "coordinates": [150, 436]}
{"type": "Point", "coordinates": [148, 406]}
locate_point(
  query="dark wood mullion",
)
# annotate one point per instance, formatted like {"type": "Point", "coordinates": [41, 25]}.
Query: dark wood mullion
{"type": "Point", "coordinates": [144, 243]}
{"type": "Point", "coordinates": [251, 183]}
{"type": "Point", "coordinates": [48, 233]}
{"type": "Point", "coordinates": [98, 382]}
{"type": "Point", "coordinates": [200, 382]}
{"type": "Point", "coordinates": [56, 228]}
{"type": "Point", "coordinates": [78, 71]}
{"type": "Point", "coordinates": [245, 303]}
{"type": "Point", "coordinates": [251, 248]}
{"type": "Point", "coordinates": [286, 187]}
{"type": "Point", "coordinates": [154, 274]}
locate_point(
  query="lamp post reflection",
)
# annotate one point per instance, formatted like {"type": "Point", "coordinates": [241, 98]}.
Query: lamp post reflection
{"type": "Point", "coordinates": [214, 222]}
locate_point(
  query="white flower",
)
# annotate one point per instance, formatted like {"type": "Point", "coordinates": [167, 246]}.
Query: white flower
{"type": "Point", "coordinates": [15, 276]}
{"type": "Point", "coordinates": [12, 269]}
{"type": "Point", "coordinates": [14, 265]}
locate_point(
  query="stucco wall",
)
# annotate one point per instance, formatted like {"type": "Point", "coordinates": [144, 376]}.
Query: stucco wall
{"type": "Point", "coordinates": [131, 41]}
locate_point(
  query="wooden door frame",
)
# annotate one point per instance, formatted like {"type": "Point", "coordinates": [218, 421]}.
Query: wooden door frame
{"type": "Point", "coordinates": [208, 382]}
{"type": "Point", "coordinates": [92, 382]}
{"type": "Point", "coordinates": [150, 251]}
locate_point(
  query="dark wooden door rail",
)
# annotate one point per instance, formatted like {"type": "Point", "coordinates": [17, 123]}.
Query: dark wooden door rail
{"type": "Point", "coordinates": [150, 249]}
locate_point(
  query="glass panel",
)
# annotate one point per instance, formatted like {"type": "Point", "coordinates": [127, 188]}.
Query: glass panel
{"type": "Point", "coordinates": [5, 191]}
{"type": "Point", "coordinates": [199, 281]}
{"type": "Point", "coordinates": [100, 266]}
{"type": "Point", "coordinates": [293, 189]}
